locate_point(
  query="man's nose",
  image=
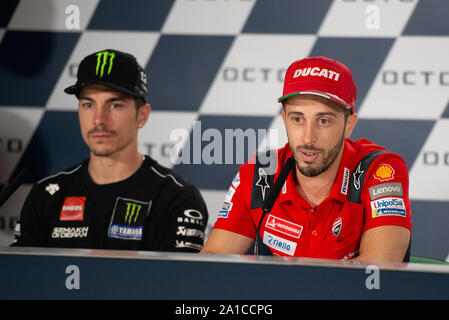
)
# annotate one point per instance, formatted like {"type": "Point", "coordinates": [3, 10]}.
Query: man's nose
{"type": "Point", "coordinates": [309, 134]}
{"type": "Point", "coordinates": [100, 116]}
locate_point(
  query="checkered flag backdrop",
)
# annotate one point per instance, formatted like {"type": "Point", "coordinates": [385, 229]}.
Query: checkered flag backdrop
{"type": "Point", "coordinates": [216, 66]}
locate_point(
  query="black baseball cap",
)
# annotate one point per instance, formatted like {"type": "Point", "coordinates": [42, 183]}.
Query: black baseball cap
{"type": "Point", "coordinates": [116, 69]}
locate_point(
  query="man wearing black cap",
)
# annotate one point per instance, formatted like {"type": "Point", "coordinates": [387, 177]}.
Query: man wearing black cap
{"type": "Point", "coordinates": [118, 198]}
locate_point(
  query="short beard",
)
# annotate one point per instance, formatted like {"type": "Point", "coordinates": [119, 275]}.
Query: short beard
{"type": "Point", "coordinates": [101, 153]}
{"type": "Point", "coordinates": [329, 159]}
{"type": "Point", "coordinates": [105, 153]}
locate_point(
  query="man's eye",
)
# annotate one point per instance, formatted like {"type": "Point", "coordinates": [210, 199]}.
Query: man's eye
{"type": "Point", "coordinates": [116, 105]}
{"type": "Point", "coordinates": [325, 121]}
{"type": "Point", "coordinates": [87, 105]}
{"type": "Point", "coordinates": [296, 119]}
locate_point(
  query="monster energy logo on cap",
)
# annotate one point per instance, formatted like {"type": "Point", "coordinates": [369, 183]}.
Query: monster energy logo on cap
{"type": "Point", "coordinates": [102, 60]}
{"type": "Point", "coordinates": [113, 68]}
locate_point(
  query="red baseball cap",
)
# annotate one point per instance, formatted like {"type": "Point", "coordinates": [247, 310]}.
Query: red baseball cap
{"type": "Point", "coordinates": [323, 77]}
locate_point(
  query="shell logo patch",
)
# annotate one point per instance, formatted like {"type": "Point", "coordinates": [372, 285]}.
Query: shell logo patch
{"type": "Point", "coordinates": [384, 172]}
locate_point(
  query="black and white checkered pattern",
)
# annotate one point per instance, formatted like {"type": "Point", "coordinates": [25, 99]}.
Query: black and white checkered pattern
{"type": "Point", "coordinates": [219, 64]}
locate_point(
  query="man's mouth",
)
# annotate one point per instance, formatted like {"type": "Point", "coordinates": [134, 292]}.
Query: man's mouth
{"type": "Point", "coordinates": [100, 134]}
{"type": "Point", "coordinates": [309, 156]}
{"type": "Point", "coordinates": [309, 153]}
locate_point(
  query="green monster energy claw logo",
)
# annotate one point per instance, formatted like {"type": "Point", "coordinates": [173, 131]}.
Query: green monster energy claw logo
{"type": "Point", "coordinates": [102, 60]}
{"type": "Point", "coordinates": [132, 211]}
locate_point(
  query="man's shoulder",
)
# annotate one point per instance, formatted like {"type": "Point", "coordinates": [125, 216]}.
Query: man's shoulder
{"type": "Point", "coordinates": [364, 149]}
{"type": "Point", "coordinates": [166, 176]}
{"type": "Point", "coordinates": [52, 184]}
{"type": "Point", "coordinates": [380, 165]}
{"type": "Point", "coordinates": [65, 175]}
{"type": "Point", "coordinates": [272, 158]}
{"type": "Point", "coordinates": [263, 166]}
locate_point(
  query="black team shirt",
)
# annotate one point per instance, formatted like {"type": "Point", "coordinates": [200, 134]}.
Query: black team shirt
{"type": "Point", "coordinates": [154, 209]}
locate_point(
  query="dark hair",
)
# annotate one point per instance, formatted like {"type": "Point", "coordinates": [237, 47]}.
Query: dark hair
{"type": "Point", "coordinates": [347, 113]}
{"type": "Point", "coordinates": [329, 102]}
{"type": "Point", "coordinates": [139, 103]}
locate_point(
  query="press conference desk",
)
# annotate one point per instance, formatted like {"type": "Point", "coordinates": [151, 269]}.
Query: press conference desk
{"type": "Point", "coordinates": [45, 273]}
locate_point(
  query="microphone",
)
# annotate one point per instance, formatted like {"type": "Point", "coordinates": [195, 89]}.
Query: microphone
{"type": "Point", "coordinates": [13, 185]}
{"type": "Point", "coordinates": [272, 196]}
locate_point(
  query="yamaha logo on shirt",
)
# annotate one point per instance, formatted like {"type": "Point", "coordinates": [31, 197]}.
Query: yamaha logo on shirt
{"type": "Point", "coordinates": [128, 219]}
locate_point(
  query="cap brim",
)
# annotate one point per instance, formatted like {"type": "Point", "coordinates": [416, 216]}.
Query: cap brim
{"type": "Point", "coordinates": [329, 96]}
{"type": "Point", "coordinates": [76, 88]}
{"type": "Point", "coordinates": [73, 89]}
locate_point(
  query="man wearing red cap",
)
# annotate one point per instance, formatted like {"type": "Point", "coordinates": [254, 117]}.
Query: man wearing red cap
{"type": "Point", "coordinates": [345, 199]}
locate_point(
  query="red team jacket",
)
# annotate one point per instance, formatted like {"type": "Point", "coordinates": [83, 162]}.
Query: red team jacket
{"type": "Point", "coordinates": [370, 190]}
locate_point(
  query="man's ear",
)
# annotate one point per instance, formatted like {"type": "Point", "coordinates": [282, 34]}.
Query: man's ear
{"type": "Point", "coordinates": [283, 114]}
{"type": "Point", "coordinates": [350, 125]}
{"type": "Point", "coordinates": [143, 114]}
